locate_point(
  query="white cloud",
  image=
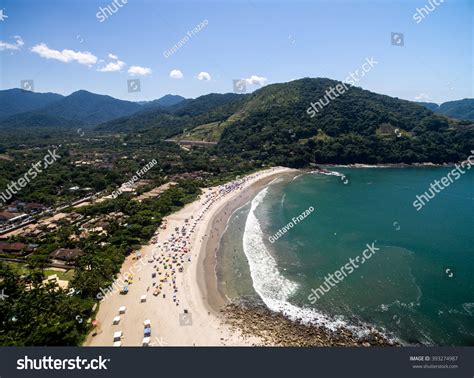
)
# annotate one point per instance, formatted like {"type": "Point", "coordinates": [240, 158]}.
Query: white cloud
{"type": "Point", "coordinates": [139, 71]}
{"type": "Point", "coordinates": [422, 97]}
{"type": "Point", "coordinates": [176, 74]}
{"type": "Point", "coordinates": [112, 56]}
{"type": "Point", "coordinates": [203, 76]}
{"type": "Point", "coordinates": [12, 46]}
{"type": "Point", "coordinates": [112, 67]}
{"type": "Point", "coordinates": [65, 55]}
{"type": "Point", "coordinates": [254, 79]}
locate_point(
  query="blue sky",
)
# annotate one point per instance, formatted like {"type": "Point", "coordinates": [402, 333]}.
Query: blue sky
{"type": "Point", "coordinates": [263, 41]}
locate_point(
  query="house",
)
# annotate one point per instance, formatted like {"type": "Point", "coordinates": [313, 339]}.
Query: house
{"type": "Point", "coordinates": [34, 208]}
{"type": "Point", "coordinates": [6, 217]}
{"type": "Point", "coordinates": [18, 249]}
{"type": "Point", "coordinates": [16, 207]}
{"type": "Point", "coordinates": [62, 255]}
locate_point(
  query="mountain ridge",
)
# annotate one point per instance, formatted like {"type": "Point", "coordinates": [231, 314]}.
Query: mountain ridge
{"type": "Point", "coordinates": [21, 108]}
{"type": "Point", "coordinates": [16, 100]}
{"type": "Point", "coordinates": [165, 101]}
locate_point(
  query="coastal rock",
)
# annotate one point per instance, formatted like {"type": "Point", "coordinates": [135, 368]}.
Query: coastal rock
{"type": "Point", "coordinates": [274, 329]}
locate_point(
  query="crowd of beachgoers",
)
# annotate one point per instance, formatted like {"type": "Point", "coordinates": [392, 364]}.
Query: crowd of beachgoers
{"type": "Point", "coordinates": [171, 255]}
{"type": "Point", "coordinates": [169, 275]}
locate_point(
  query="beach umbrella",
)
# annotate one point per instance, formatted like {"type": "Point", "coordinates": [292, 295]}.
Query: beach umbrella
{"type": "Point", "coordinates": [116, 320]}
{"type": "Point", "coordinates": [122, 310]}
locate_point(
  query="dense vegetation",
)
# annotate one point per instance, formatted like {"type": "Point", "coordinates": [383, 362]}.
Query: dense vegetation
{"type": "Point", "coordinates": [15, 101]}
{"type": "Point", "coordinates": [429, 105]}
{"type": "Point", "coordinates": [357, 127]}
{"type": "Point", "coordinates": [269, 127]}
{"type": "Point", "coordinates": [37, 314]}
{"type": "Point", "coordinates": [20, 108]}
{"type": "Point", "coordinates": [167, 122]}
{"type": "Point", "coordinates": [165, 101]}
{"type": "Point", "coordinates": [272, 126]}
{"type": "Point", "coordinates": [112, 160]}
{"type": "Point", "coordinates": [43, 315]}
{"type": "Point", "coordinates": [462, 109]}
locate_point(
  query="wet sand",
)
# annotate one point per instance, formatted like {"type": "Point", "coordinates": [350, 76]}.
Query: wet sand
{"type": "Point", "coordinates": [194, 289]}
{"type": "Point", "coordinates": [207, 277]}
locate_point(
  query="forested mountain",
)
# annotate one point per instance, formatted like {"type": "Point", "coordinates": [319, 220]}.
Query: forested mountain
{"type": "Point", "coordinates": [166, 122]}
{"type": "Point", "coordinates": [167, 100]}
{"type": "Point", "coordinates": [91, 108]}
{"type": "Point", "coordinates": [19, 108]}
{"type": "Point", "coordinates": [274, 125]}
{"type": "Point", "coordinates": [357, 127]}
{"type": "Point", "coordinates": [38, 119]}
{"type": "Point", "coordinates": [460, 109]}
{"type": "Point", "coordinates": [15, 101]}
{"type": "Point", "coordinates": [429, 105]}
{"type": "Point", "coordinates": [278, 124]}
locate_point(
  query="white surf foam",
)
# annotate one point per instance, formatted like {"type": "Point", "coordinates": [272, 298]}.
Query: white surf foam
{"type": "Point", "coordinates": [328, 173]}
{"type": "Point", "coordinates": [274, 289]}
{"type": "Point", "coordinates": [270, 285]}
{"type": "Point", "coordinates": [294, 178]}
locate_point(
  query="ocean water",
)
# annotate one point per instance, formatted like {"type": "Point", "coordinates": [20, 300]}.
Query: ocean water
{"type": "Point", "coordinates": [417, 287]}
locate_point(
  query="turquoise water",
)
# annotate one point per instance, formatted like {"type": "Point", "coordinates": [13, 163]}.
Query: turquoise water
{"type": "Point", "coordinates": [417, 287]}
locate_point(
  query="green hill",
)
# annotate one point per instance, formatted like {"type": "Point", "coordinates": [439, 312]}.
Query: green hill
{"type": "Point", "coordinates": [52, 110]}
{"type": "Point", "coordinates": [15, 101]}
{"type": "Point", "coordinates": [274, 125]}
{"type": "Point", "coordinates": [167, 100]}
{"type": "Point", "coordinates": [91, 108]}
{"type": "Point", "coordinates": [172, 121]}
{"type": "Point", "coordinates": [357, 127]}
{"type": "Point", "coordinates": [462, 109]}
{"type": "Point", "coordinates": [38, 119]}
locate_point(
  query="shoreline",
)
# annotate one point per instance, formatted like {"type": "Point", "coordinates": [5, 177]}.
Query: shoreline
{"type": "Point", "coordinates": [255, 319]}
{"type": "Point", "coordinates": [214, 319]}
{"type": "Point", "coordinates": [382, 165]}
{"type": "Point", "coordinates": [207, 276]}
{"type": "Point", "coordinates": [180, 314]}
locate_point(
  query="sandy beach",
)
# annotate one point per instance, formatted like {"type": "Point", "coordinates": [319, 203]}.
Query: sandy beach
{"type": "Point", "coordinates": [179, 266]}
